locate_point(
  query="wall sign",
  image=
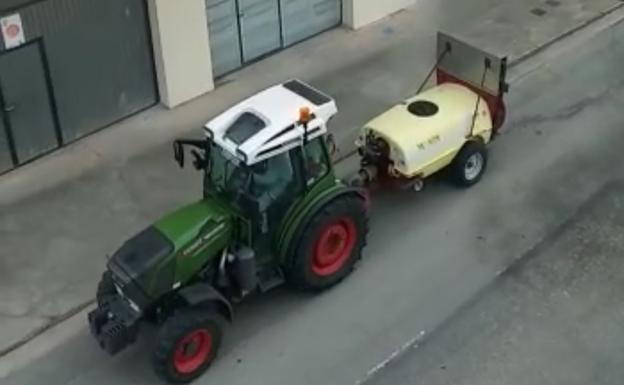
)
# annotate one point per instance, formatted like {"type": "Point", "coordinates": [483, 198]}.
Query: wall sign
{"type": "Point", "coordinates": [12, 31]}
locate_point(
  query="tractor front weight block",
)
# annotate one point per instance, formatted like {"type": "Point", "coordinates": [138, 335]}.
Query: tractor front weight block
{"type": "Point", "coordinates": [114, 325]}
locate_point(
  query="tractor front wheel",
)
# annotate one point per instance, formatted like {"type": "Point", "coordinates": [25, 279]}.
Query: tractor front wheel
{"type": "Point", "coordinates": [330, 246]}
{"type": "Point", "coordinates": [187, 344]}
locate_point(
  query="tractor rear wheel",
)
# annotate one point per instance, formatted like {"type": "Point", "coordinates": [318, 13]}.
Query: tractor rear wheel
{"type": "Point", "coordinates": [187, 344]}
{"type": "Point", "coordinates": [470, 163]}
{"type": "Point", "coordinates": [329, 247]}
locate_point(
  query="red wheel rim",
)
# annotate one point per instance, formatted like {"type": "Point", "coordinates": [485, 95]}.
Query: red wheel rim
{"type": "Point", "coordinates": [192, 351]}
{"type": "Point", "coordinates": [333, 247]}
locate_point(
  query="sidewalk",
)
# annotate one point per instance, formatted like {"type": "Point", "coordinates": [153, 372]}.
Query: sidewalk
{"type": "Point", "coordinates": [86, 199]}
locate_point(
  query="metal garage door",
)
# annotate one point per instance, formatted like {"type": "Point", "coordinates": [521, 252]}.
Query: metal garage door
{"type": "Point", "coordinates": [6, 162]}
{"type": "Point", "coordinates": [28, 116]}
{"type": "Point", "coordinates": [84, 65]}
{"type": "Point", "coordinates": [99, 59]}
{"type": "Point", "coordinates": [259, 27]}
{"type": "Point", "coordinates": [244, 30]}
{"type": "Point", "coordinates": [304, 18]}
{"type": "Point", "coordinates": [224, 37]}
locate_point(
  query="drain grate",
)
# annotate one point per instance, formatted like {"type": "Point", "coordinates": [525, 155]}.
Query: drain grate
{"type": "Point", "coordinates": [538, 11]}
{"type": "Point", "coordinates": [553, 3]}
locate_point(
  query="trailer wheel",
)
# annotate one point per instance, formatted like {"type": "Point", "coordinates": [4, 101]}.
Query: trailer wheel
{"type": "Point", "coordinates": [330, 246]}
{"type": "Point", "coordinates": [470, 164]}
{"type": "Point", "coordinates": [105, 288]}
{"type": "Point", "coordinates": [188, 343]}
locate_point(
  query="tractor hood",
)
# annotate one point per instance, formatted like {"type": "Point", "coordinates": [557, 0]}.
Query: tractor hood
{"type": "Point", "coordinates": [171, 250]}
{"type": "Point", "coordinates": [140, 253]}
{"type": "Point", "coordinates": [184, 225]}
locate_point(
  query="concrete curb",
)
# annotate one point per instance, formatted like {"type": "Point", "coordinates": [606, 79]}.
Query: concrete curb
{"type": "Point", "coordinates": [513, 63]}
{"type": "Point", "coordinates": [40, 330]}
{"type": "Point", "coordinates": [537, 50]}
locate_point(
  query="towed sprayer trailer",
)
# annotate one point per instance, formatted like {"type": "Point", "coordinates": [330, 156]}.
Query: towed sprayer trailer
{"type": "Point", "coordinates": [273, 211]}
{"type": "Point", "coordinates": [444, 127]}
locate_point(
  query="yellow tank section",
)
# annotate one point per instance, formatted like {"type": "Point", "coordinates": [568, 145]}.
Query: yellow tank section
{"type": "Point", "coordinates": [422, 145]}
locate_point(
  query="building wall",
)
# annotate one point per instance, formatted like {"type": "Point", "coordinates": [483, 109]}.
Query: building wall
{"type": "Point", "coordinates": [13, 4]}
{"type": "Point", "coordinates": [358, 13]}
{"type": "Point", "coordinates": [182, 45]}
{"type": "Point", "coordinates": [181, 49]}
{"type": "Point", "coordinates": [97, 55]}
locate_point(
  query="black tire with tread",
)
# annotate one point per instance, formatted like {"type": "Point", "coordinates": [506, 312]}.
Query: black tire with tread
{"type": "Point", "coordinates": [297, 267]}
{"type": "Point", "coordinates": [176, 328]}
{"type": "Point", "coordinates": [457, 166]}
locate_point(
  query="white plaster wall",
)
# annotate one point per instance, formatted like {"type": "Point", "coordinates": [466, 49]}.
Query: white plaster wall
{"type": "Point", "coordinates": [358, 13]}
{"type": "Point", "coordinates": [181, 49]}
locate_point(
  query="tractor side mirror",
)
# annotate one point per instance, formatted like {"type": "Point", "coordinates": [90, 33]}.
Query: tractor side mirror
{"type": "Point", "coordinates": [178, 153]}
{"type": "Point", "coordinates": [199, 161]}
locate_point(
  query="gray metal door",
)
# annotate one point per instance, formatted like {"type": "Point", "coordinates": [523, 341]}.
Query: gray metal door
{"type": "Point", "coordinates": [259, 26]}
{"type": "Point", "coordinates": [224, 38]}
{"type": "Point", "coordinates": [100, 60]}
{"type": "Point", "coordinates": [6, 162]}
{"type": "Point", "coordinates": [304, 18]}
{"type": "Point", "coordinates": [27, 103]}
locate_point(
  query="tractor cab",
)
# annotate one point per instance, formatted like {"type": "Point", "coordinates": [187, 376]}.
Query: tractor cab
{"type": "Point", "coordinates": [263, 155]}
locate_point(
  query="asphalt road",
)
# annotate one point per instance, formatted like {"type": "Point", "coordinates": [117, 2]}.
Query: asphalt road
{"type": "Point", "coordinates": [429, 254]}
{"type": "Point", "coordinates": [555, 317]}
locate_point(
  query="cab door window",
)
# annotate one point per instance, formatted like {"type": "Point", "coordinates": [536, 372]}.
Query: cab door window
{"type": "Point", "coordinates": [275, 187]}
{"type": "Point", "coordinates": [315, 161]}
{"type": "Point", "coordinates": [274, 180]}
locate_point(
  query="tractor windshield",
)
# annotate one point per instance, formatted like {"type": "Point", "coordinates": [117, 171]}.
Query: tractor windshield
{"type": "Point", "coordinates": [225, 175]}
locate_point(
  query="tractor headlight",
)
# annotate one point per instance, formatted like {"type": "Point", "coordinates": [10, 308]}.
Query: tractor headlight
{"type": "Point", "coordinates": [124, 282]}
{"type": "Point", "coordinates": [130, 302]}
{"type": "Point", "coordinates": [133, 305]}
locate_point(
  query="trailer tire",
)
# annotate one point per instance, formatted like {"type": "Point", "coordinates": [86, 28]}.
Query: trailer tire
{"type": "Point", "coordinates": [470, 164]}
{"type": "Point", "coordinates": [201, 327]}
{"type": "Point", "coordinates": [329, 247]}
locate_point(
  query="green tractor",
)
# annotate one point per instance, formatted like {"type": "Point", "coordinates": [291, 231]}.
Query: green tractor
{"type": "Point", "coordinates": [272, 212]}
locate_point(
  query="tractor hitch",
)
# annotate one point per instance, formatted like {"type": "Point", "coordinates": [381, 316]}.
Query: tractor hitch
{"type": "Point", "coordinates": [114, 324]}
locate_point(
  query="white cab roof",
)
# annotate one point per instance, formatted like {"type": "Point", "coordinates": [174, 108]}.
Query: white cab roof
{"type": "Point", "coordinates": [265, 124]}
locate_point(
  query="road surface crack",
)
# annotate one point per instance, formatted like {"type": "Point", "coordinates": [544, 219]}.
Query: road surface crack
{"type": "Point", "coordinates": [568, 112]}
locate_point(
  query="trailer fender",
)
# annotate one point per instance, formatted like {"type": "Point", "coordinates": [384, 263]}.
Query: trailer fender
{"type": "Point", "coordinates": [203, 294]}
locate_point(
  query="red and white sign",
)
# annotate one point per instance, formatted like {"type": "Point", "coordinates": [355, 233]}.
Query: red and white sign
{"type": "Point", "coordinates": [12, 31]}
